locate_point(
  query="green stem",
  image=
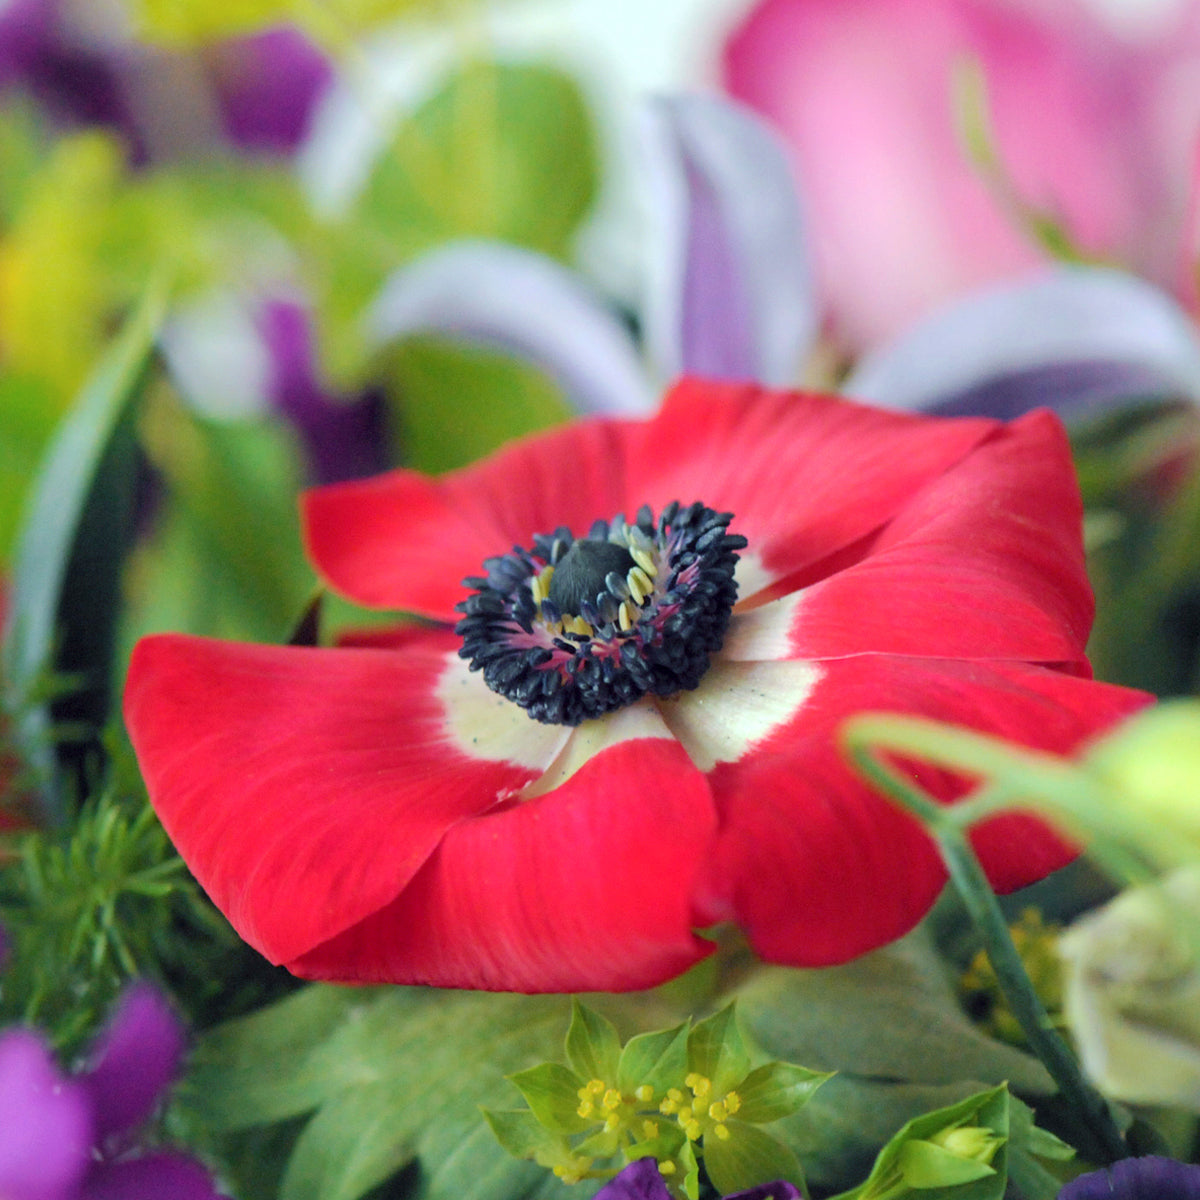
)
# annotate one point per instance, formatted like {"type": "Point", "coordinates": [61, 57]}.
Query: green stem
{"type": "Point", "coordinates": [1044, 1041]}
{"type": "Point", "coordinates": [949, 831]}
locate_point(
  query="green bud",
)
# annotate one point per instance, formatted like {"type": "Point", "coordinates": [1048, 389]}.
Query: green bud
{"type": "Point", "coordinates": [969, 1141]}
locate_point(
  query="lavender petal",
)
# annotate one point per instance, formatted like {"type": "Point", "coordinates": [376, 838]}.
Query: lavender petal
{"type": "Point", "coordinates": [1078, 339]}
{"type": "Point", "coordinates": [730, 291]}
{"type": "Point", "coordinates": [523, 303]}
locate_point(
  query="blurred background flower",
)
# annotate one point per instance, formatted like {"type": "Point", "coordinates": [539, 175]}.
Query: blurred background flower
{"type": "Point", "coordinates": [943, 143]}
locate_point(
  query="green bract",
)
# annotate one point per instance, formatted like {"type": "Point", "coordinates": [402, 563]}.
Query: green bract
{"type": "Point", "coordinates": [680, 1095]}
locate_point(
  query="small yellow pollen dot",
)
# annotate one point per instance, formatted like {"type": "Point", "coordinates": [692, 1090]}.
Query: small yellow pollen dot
{"type": "Point", "coordinates": [700, 1084]}
{"type": "Point", "coordinates": [722, 1132]}
{"type": "Point", "coordinates": [596, 1086]}
{"type": "Point", "coordinates": [718, 1111]}
{"type": "Point", "coordinates": [666, 1168]}
{"type": "Point", "coordinates": [586, 1109]}
{"type": "Point", "coordinates": [686, 1113]}
{"type": "Point", "coordinates": [693, 1130]}
{"type": "Point", "coordinates": [732, 1102]}
{"type": "Point", "coordinates": [612, 1099]}
{"type": "Point", "coordinates": [644, 1093]}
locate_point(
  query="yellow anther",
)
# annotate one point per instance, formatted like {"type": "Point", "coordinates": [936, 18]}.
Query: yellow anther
{"type": "Point", "coordinates": [717, 1111]}
{"type": "Point", "coordinates": [722, 1131]}
{"type": "Point", "coordinates": [732, 1102]}
{"type": "Point", "coordinates": [586, 1109]}
{"type": "Point", "coordinates": [596, 1086]}
{"type": "Point", "coordinates": [643, 581]}
{"type": "Point", "coordinates": [612, 1121]}
{"type": "Point", "coordinates": [700, 1084]}
{"type": "Point", "coordinates": [649, 1129]}
{"type": "Point", "coordinates": [577, 625]}
{"type": "Point", "coordinates": [624, 617]}
{"type": "Point", "coordinates": [637, 590]}
{"type": "Point", "coordinates": [674, 1094]}
{"type": "Point", "coordinates": [693, 1131]}
{"type": "Point", "coordinates": [644, 560]}
{"type": "Point", "coordinates": [666, 1168]}
{"type": "Point", "coordinates": [644, 1093]}
{"type": "Point", "coordinates": [612, 1099]}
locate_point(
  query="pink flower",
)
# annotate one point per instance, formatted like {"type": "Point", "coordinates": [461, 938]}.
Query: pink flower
{"type": "Point", "coordinates": [389, 811]}
{"type": "Point", "coordinates": [1097, 132]}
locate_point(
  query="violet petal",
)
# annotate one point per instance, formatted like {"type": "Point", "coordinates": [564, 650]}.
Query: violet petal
{"type": "Point", "coordinates": [1073, 338]}
{"type": "Point", "coordinates": [45, 1123]}
{"type": "Point", "coordinates": [163, 1176]}
{"type": "Point", "coordinates": [523, 303]}
{"type": "Point", "coordinates": [1148, 1178]}
{"type": "Point", "coordinates": [641, 1180]}
{"type": "Point", "coordinates": [134, 1061]}
{"type": "Point", "coordinates": [344, 439]}
{"type": "Point", "coordinates": [268, 87]}
{"type": "Point", "coordinates": [730, 291]}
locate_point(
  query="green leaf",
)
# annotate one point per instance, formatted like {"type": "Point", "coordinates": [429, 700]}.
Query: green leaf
{"type": "Point", "coordinates": [29, 418]}
{"type": "Point", "coordinates": [659, 1060]}
{"type": "Point", "coordinates": [70, 548]}
{"type": "Point", "coordinates": [410, 1067]}
{"type": "Point", "coordinates": [593, 1046]}
{"type": "Point", "coordinates": [457, 403]}
{"type": "Point", "coordinates": [501, 151]}
{"type": "Point", "coordinates": [716, 1050]}
{"type": "Point", "coordinates": [776, 1090]}
{"type": "Point", "coordinates": [748, 1157]}
{"type": "Point", "coordinates": [552, 1093]}
{"type": "Point", "coordinates": [206, 568]}
{"type": "Point", "coordinates": [522, 1134]}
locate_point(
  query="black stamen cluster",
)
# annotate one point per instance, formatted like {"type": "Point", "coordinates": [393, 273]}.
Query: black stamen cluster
{"type": "Point", "coordinates": [569, 678]}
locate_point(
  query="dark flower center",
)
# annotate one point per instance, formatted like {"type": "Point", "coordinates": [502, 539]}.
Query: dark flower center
{"type": "Point", "coordinates": [573, 628]}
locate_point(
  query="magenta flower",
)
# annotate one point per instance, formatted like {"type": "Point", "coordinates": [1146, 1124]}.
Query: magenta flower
{"type": "Point", "coordinates": [73, 1137]}
{"type": "Point", "coordinates": [1093, 130]}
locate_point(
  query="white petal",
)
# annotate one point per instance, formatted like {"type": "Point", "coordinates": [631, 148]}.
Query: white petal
{"type": "Point", "coordinates": [483, 724]}
{"type": "Point", "coordinates": [736, 706]}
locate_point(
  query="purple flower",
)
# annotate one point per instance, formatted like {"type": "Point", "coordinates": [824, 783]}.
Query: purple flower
{"type": "Point", "coordinates": [1149, 1178]}
{"type": "Point", "coordinates": [73, 1137]}
{"type": "Point", "coordinates": [641, 1180]}
{"type": "Point", "coordinates": [343, 439]}
{"type": "Point", "coordinates": [256, 93]}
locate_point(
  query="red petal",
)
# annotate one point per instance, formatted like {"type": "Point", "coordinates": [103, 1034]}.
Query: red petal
{"type": "Point", "coordinates": [588, 887]}
{"type": "Point", "coordinates": [817, 867]}
{"type": "Point", "coordinates": [406, 541]}
{"type": "Point", "coordinates": [804, 475]}
{"type": "Point", "coordinates": [985, 562]}
{"type": "Point", "coordinates": [304, 787]}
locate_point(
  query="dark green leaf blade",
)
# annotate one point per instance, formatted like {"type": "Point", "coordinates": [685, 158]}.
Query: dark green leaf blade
{"type": "Point", "coordinates": [71, 544]}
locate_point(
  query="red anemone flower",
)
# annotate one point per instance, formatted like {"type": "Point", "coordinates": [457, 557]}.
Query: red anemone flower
{"type": "Point", "coordinates": [618, 760]}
